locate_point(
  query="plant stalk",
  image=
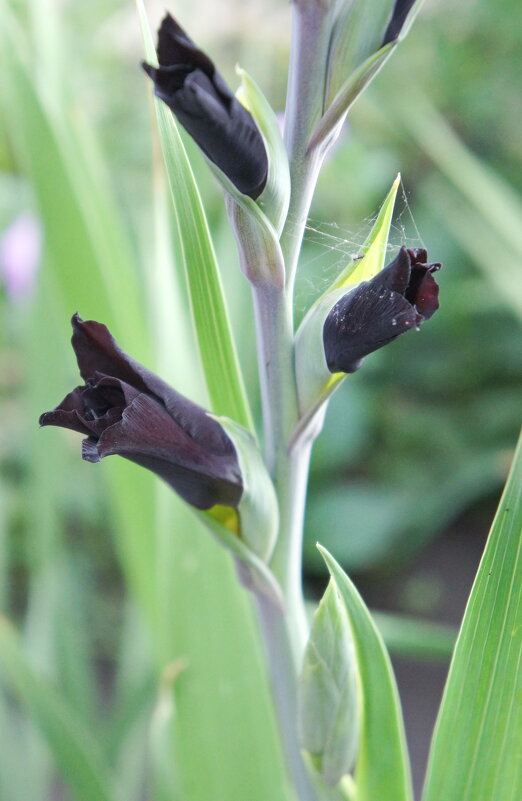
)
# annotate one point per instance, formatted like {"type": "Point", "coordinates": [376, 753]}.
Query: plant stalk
{"type": "Point", "coordinates": [284, 687]}
{"type": "Point", "coordinates": [276, 370]}
{"type": "Point", "coordinates": [289, 469]}
{"type": "Point", "coordinates": [311, 29]}
{"type": "Point", "coordinates": [285, 634]}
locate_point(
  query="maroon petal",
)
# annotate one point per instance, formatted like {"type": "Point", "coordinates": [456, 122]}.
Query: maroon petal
{"type": "Point", "coordinates": [68, 414]}
{"type": "Point", "coordinates": [396, 275]}
{"type": "Point", "coordinates": [427, 296]}
{"type": "Point", "coordinates": [148, 436]}
{"type": "Point", "coordinates": [362, 322]}
{"type": "Point", "coordinates": [98, 352]}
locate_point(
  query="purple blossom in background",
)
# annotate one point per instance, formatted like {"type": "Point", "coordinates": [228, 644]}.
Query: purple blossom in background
{"type": "Point", "coordinates": [20, 252]}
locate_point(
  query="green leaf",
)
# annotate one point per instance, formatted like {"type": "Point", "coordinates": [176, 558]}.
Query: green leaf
{"type": "Point", "coordinates": [315, 382]}
{"type": "Point", "coordinates": [327, 697]}
{"type": "Point", "coordinates": [475, 754]}
{"type": "Point", "coordinates": [216, 345]}
{"type": "Point", "coordinates": [374, 249]}
{"type": "Point", "coordinates": [83, 229]}
{"type": "Point", "coordinates": [254, 572]}
{"type": "Point", "coordinates": [382, 770]}
{"type": "Point", "coordinates": [74, 749]}
{"type": "Point", "coordinates": [275, 197]}
{"type": "Point", "coordinates": [357, 32]}
{"type": "Point", "coordinates": [257, 241]}
{"type": "Point", "coordinates": [258, 509]}
{"type": "Point", "coordinates": [349, 92]}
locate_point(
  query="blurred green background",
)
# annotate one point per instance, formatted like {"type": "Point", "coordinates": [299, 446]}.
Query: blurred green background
{"type": "Point", "coordinates": [416, 445]}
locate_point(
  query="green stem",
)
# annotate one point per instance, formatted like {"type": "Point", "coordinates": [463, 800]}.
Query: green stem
{"type": "Point", "coordinates": [284, 686]}
{"type": "Point", "coordinates": [311, 29]}
{"type": "Point", "coordinates": [285, 634]}
{"type": "Point", "coordinates": [291, 481]}
{"type": "Point", "coordinates": [288, 468]}
{"type": "Point", "coordinates": [276, 370]}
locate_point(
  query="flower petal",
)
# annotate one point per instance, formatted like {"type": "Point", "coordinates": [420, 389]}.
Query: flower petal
{"type": "Point", "coordinates": [363, 321]}
{"type": "Point", "coordinates": [98, 352]}
{"type": "Point", "coordinates": [148, 436]}
{"type": "Point", "coordinates": [426, 296]}
{"type": "Point", "coordinates": [396, 275]}
{"type": "Point", "coordinates": [187, 81]}
{"type": "Point", "coordinates": [423, 290]}
{"type": "Point", "coordinates": [68, 414]}
{"type": "Point", "coordinates": [176, 47]}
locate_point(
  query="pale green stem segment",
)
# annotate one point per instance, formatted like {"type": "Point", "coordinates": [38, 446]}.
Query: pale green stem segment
{"type": "Point", "coordinates": [283, 676]}
{"type": "Point", "coordinates": [288, 468]}
{"type": "Point", "coordinates": [276, 370]}
{"type": "Point", "coordinates": [291, 485]}
{"type": "Point", "coordinates": [304, 108]}
{"type": "Point", "coordinates": [285, 633]}
{"type": "Point", "coordinates": [274, 308]}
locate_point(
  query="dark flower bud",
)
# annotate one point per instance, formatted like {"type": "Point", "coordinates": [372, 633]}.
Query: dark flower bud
{"type": "Point", "coordinates": [187, 81]}
{"type": "Point", "coordinates": [125, 409]}
{"type": "Point", "coordinates": [399, 15]}
{"type": "Point", "coordinates": [402, 296]}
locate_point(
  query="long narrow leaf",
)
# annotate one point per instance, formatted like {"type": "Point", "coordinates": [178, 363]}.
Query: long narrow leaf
{"type": "Point", "coordinates": [82, 226]}
{"type": "Point", "coordinates": [477, 745]}
{"type": "Point", "coordinates": [73, 747]}
{"type": "Point", "coordinates": [382, 769]}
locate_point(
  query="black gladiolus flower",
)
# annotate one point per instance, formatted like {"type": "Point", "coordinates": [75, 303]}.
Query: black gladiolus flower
{"type": "Point", "coordinates": [187, 81]}
{"type": "Point", "coordinates": [125, 409]}
{"type": "Point", "coordinates": [402, 296]}
{"type": "Point", "coordinates": [398, 17]}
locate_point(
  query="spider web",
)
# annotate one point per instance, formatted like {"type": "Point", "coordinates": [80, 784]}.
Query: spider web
{"type": "Point", "coordinates": [328, 247]}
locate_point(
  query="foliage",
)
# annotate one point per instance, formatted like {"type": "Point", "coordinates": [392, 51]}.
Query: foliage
{"type": "Point", "coordinates": [110, 672]}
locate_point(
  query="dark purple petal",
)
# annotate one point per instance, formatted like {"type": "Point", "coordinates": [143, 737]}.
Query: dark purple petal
{"type": "Point", "coordinates": [125, 409]}
{"type": "Point", "coordinates": [396, 275]}
{"type": "Point", "coordinates": [147, 435]}
{"type": "Point", "coordinates": [426, 297]}
{"type": "Point", "coordinates": [98, 352]}
{"type": "Point", "coordinates": [68, 413]}
{"type": "Point", "coordinates": [398, 17]}
{"type": "Point", "coordinates": [402, 296]}
{"type": "Point", "coordinates": [362, 322]}
{"type": "Point", "coordinates": [176, 47]}
{"type": "Point", "coordinates": [189, 84]}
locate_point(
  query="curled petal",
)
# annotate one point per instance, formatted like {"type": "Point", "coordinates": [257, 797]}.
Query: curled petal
{"type": "Point", "coordinates": [362, 322]}
{"type": "Point", "coordinates": [98, 352]}
{"type": "Point", "coordinates": [68, 414]}
{"type": "Point", "coordinates": [399, 298]}
{"type": "Point", "coordinates": [395, 276]}
{"type": "Point", "coordinates": [176, 47]}
{"type": "Point", "coordinates": [125, 409]}
{"type": "Point", "coordinates": [147, 436]}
